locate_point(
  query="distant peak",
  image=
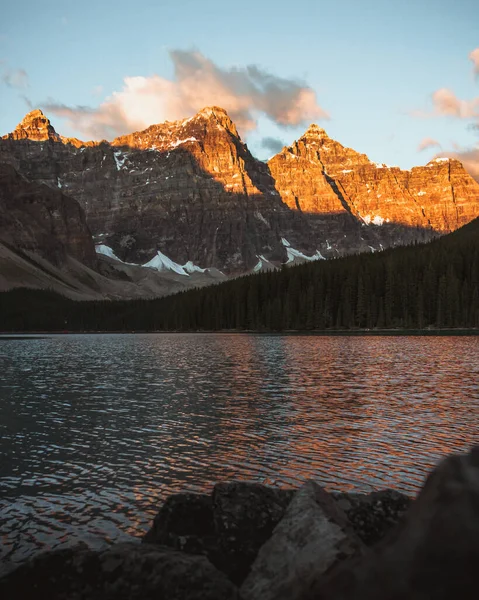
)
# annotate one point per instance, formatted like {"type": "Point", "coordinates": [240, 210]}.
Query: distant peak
{"type": "Point", "coordinates": [316, 131]}
{"type": "Point", "coordinates": [35, 126]}
{"type": "Point", "coordinates": [207, 111]}
{"type": "Point", "coordinates": [220, 116]}
{"type": "Point", "coordinates": [34, 114]}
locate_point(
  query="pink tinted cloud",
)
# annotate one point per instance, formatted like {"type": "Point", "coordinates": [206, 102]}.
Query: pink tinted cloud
{"type": "Point", "coordinates": [446, 103]}
{"type": "Point", "coordinates": [245, 92]}
{"type": "Point", "coordinates": [474, 57]}
{"type": "Point", "coordinates": [427, 143]}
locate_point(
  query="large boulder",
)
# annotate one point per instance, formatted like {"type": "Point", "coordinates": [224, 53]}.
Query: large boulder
{"type": "Point", "coordinates": [185, 522]}
{"type": "Point", "coordinates": [433, 555]}
{"type": "Point", "coordinates": [228, 527]}
{"type": "Point", "coordinates": [373, 515]}
{"type": "Point", "coordinates": [245, 515]}
{"type": "Point", "coordinates": [312, 537]}
{"type": "Point", "coordinates": [123, 572]}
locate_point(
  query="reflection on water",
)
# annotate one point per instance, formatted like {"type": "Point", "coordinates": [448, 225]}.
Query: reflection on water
{"type": "Point", "coordinates": [96, 430]}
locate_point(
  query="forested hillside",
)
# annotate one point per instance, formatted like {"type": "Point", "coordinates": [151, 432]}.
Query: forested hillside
{"type": "Point", "coordinates": [429, 285]}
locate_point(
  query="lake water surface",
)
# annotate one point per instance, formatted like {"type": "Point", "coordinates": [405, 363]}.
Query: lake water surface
{"type": "Point", "coordinates": [95, 430]}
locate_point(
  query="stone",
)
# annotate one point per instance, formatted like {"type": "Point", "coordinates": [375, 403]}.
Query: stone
{"type": "Point", "coordinates": [36, 218]}
{"type": "Point", "coordinates": [122, 572]}
{"type": "Point", "coordinates": [312, 537]}
{"type": "Point", "coordinates": [228, 527]}
{"type": "Point", "coordinates": [373, 515]}
{"type": "Point", "coordinates": [245, 515]}
{"type": "Point", "coordinates": [185, 522]}
{"type": "Point", "coordinates": [434, 554]}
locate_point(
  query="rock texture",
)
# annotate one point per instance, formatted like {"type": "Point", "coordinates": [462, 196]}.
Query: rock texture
{"type": "Point", "coordinates": [311, 538]}
{"type": "Point", "coordinates": [302, 544]}
{"type": "Point", "coordinates": [38, 219]}
{"type": "Point", "coordinates": [192, 190]}
{"type": "Point", "coordinates": [373, 515]}
{"type": "Point", "coordinates": [46, 243]}
{"type": "Point", "coordinates": [123, 572]}
{"type": "Point", "coordinates": [435, 552]}
{"type": "Point", "coordinates": [319, 175]}
{"type": "Point", "coordinates": [229, 527]}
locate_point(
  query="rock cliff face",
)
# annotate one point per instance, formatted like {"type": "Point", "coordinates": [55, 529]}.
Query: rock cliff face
{"type": "Point", "coordinates": [36, 218]}
{"type": "Point", "coordinates": [192, 190]}
{"type": "Point", "coordinates": [317, 175]}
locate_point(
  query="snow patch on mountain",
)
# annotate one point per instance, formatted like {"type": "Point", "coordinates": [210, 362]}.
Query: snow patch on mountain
{"type": "Point", "coordinates": [107, 251]}
{"type": "Point", "coordinates": [179, 142]}
{"type": "Point", "coordinates": [190, 267]}
{"type": "Point", "coordinates": [296, 254]}
{"type": "Point", "coordinates": [376, 220]}
{"type": "Point", "coordinates": [120, 159]}
{"type": "Point", "coordinates": [263, 264]}
{"type": "Point", "coordinates": [162, 263]}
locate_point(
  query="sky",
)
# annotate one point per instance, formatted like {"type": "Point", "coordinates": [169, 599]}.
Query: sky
{"type": "Point", "coordinates": [398, 81]}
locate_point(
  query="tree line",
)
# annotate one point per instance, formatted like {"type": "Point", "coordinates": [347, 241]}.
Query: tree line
{"type": "Point", "coordinates": [422, 286]}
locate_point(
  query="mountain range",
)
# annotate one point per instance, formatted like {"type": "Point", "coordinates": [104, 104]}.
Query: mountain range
{"type": "Point", "coordinates": [184, 204]}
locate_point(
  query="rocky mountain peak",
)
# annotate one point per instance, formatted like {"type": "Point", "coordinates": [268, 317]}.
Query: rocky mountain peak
{"type": "Point", "coordinates": [34, 126]}
{"type": "Point", "coordinates": [315, 131]}
{"type": "Point", "coordinates": [220, 116]}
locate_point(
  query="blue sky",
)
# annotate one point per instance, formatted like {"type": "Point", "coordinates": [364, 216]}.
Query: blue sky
{"type": "Point", "coordinates": [389, 75]}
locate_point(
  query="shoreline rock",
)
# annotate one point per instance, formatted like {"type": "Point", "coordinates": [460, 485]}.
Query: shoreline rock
{"type": "Point", "coordinates": [249, 541]}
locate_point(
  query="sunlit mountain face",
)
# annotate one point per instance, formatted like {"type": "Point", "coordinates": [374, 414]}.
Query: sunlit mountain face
{"type": "Point", "coordinates": [187, 198]}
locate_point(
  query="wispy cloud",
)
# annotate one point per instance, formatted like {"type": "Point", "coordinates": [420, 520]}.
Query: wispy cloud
{"type": "Point", "coordinates": [272, 144]}
{"type": "Point", "coordinates": [245, 92]}
{"type": "Point", "coordinates": [446, 103]}
{"type": "Point", "coordinates": [474, 56]}
{"type": "Point", "coordinates": [13, 78]}
{"type": "Point", "coordinates": [427, 143]}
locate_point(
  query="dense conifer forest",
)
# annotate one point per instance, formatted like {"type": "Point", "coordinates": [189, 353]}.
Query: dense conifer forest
{"type": "Point", "coordinates": [433, 285]}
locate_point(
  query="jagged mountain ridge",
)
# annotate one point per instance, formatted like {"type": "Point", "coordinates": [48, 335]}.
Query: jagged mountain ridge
{"type": "Point", "coordinates": [317, 174]}
{"type": "Point", "coordinates": [192, 190]}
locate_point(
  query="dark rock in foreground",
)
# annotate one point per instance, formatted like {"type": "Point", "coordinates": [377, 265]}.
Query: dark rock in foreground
{"type": "Point", "coordinates": [433, 555]}
{"type": "Point", "coordinates": [313, 535]}
{"type": "Point", "coordinates": [123, 572]}
{"type": "Point", "coordinates": [373, 515]}
{"type": "Point", "coordinates": [281, 544]}
{"type": "Point", "coordinates": [228, 527]}
{"type": "Point", "coordinates": [245, 515]}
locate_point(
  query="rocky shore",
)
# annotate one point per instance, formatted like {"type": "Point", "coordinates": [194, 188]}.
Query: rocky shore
{"type": "Point", "coordinates": [247, 541]}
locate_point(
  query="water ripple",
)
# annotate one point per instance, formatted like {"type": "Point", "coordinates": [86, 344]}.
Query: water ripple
{"type": "Point", "coordinates": [96, 430]}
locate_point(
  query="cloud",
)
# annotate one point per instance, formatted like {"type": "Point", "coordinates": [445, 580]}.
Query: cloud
{"type": "Point", "coordinates": [245, 92]}
{"type": "Point", "coordinates": [427, 143]}
{"type": "Point", "coordinates": [474, 56]}
{"type": "Point", "coordinates": [14, 78]}
{"type": "Point", "coordinates": [272, 144]}
{"type": "Point", "coordinates": [27, 101]}
{"type": "Point", "coordinates": [469, 158]}
{"type": "Point", "coordinates": [447, 104]}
